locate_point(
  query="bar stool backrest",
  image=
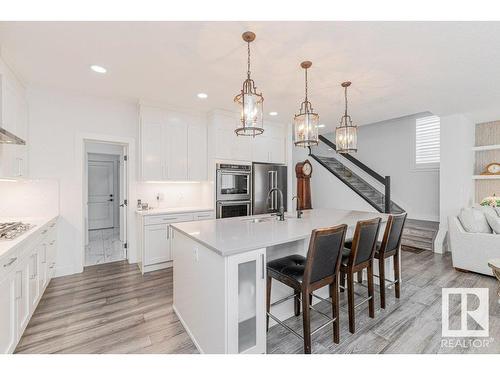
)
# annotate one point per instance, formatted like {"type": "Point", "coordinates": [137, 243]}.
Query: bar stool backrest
{"type": "Point", "coordinates": [324, 255]}
{"type": "Point", "coordinates": [393, 232]}
{"type": "Point", "coordinates": [364, 241]}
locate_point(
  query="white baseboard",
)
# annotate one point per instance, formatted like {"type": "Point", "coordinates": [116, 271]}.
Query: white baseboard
{"type": "Point", "coordinates": [188, 330]}
{"type": "Point", "coordinates": [66, 270]}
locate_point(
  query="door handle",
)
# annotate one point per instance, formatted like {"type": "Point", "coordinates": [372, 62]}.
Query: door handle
{"type": "Point", "coordinates": [12, 260]}
{"type": "Point", "coordinates": [110, 200]}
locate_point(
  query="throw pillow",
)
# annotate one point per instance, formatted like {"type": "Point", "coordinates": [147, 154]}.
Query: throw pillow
{"type": "Point", "coordinates": [493, 221]}
{"type": "Point", "coordinates": [474, 221]}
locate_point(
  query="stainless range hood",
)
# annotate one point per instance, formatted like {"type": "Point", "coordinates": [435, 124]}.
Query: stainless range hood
{"type": "Point", "coordinates": [9, 138]}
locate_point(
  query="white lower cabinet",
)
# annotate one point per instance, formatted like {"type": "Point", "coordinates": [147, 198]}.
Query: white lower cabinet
{"type": "Point", "coordinates": [24, 275]}
{"type": "Point", "coordinates": [7, 312]}
{"type": "Point", "coordinates": [154, 232]}
{"type": "Point", "coordinates": [246, 318]}
{"type": "Point", "coordinates": [22, 296]}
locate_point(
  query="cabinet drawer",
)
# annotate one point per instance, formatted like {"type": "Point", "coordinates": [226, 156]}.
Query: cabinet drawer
{"type": "Point", "coordinates": [165, 219]}
{"type": "Point", "coordinates": [204, 215]}
{"type": "Point", "coordinates": [8, 264]}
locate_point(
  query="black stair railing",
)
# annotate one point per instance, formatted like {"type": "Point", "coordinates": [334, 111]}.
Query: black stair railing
{"type": "Point", "coordinates": [384, 180]}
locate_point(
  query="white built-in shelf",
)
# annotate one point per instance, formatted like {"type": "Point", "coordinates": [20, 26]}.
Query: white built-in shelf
{"type": "Point", "coordinates": [486, 148]}
{"type": "Point", "coordinates": [486, 177]}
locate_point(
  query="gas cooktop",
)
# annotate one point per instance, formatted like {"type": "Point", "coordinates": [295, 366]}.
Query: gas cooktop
{"type": "Point", "coordinates": [11, 230]}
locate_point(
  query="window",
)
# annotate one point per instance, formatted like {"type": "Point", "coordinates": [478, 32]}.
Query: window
{"type": "Point", "coordinates": [427, 142]}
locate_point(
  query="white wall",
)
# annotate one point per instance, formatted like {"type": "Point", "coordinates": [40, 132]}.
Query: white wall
{"type": "Point", "coordinates": [388, 148]}
{"type": "Point", "coordinates": [57, 120]}
{"type": "Point", "coordinates": [457, 165]}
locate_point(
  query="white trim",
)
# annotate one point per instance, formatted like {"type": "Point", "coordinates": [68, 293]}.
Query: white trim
{"type": "Point", "coordinates": [80, 170]}
{"type": "Point", "coordinates": [486, 177]}
{"type": "Point", "coordinates": [188, 331]}
{"type": "Point", "coordinates": [486, 148]}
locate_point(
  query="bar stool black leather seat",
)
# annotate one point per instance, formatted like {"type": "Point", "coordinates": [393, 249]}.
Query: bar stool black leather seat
{"type": "Point", "coordinates": [355, 258]}
{"type": "Point", "coordinates": [307, 274]}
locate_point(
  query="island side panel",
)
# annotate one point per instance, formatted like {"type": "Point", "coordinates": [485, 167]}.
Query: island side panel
{"type": "Point", "coordinates": [199, 293]}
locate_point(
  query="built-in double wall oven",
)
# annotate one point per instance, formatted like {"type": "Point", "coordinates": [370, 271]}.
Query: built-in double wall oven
{"type": "Point", "coordinates": [234, 190]}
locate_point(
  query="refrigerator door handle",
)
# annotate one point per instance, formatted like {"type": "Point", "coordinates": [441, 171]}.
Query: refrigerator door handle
{"type": "Point", "coordinates": [275, 193]}
{"type": "Point", "coordinates": [271, 185]}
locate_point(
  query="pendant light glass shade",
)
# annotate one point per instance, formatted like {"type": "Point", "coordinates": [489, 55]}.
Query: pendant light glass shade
{"type": "Point", "coordinates": [306, 121]}
{"type": "Point", "coordinates": [250, 103]}
{"type": "Point", "coordinates": [346, 134]}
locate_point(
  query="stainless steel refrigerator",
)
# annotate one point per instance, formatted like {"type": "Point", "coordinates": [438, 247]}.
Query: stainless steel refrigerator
{"type": "Point", "coordinates": [264, 178]}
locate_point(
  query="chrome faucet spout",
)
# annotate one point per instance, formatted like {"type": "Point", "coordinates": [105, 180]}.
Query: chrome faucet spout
{"type": "Point", "coordinates": [281, 211]}
{"type": "Point", "coordinates": [299, 211]}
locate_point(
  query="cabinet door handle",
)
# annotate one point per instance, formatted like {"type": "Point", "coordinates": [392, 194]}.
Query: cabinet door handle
{"type": "Point", "coordinates": [45, 231]}
{"type": "Point", "coordinates": [168, 232]}
{"type": "Point", "coordinates": [9, 263]}
{"type": "Point", "coordinates": [20, 289]}
{"type": "Point", "coordinates": [169, 218]}
{"type": "Point", "coordinates": [263, 261]}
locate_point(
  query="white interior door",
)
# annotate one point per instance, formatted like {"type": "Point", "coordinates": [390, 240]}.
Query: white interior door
{"type": "Point", "coordinates": [101, 186]}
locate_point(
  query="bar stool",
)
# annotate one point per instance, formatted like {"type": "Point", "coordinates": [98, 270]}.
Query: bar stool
{"type": "Point", "coordinates": [390, 246]}
{"type": "Point", "coordinates": [357, 256]}
{"type": "Point", "coordinates": [307, 274]}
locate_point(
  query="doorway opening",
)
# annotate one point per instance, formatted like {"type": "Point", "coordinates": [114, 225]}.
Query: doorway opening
{"type": "Point", "coordinates": [106, 192]}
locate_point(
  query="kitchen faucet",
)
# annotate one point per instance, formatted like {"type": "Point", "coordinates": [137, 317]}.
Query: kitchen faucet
{"type": "Point", "coordinates": [299, 211]}
{"type": "Point", "coordinates": [281, 211]}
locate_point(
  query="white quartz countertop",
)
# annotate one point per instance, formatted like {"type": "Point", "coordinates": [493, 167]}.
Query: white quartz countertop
{"type": "Point", "coordinates": [237, 235]}
{"type": "Point", "coordinates": [176, 210]}
{"type": "Point", "coordinates": [39, 223]}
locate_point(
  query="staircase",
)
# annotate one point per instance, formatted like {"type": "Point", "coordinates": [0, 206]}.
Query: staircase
{"type": "Point", "coordinates": [342, 165]}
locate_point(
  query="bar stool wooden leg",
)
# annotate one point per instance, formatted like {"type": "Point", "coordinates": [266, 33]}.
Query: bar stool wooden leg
{"type": "Point", "coordinates": [306, 317]}
{"type": "Point", "coordinates": [268, 299]}
{"type": "Point", "coordinates": [342, 281]}
{"type": "Point", "coordinates": [381, 274]}
{"type": "Point", "coordinates": [371, 302]}
{"type": "Point", "coordinates": [397, 273]}
{"type": "Point", "coordinates": [360, 277]}
{"type": "Point", "coordinates": [334, 292]}
{"type": "Point", "coordinates": [297, 302]}
{"type": "Point", "coordinates": [350, 301]}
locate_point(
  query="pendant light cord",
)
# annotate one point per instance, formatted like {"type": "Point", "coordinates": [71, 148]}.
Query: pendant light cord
{"type": "Point", "coordinates": [306, 83]}
{"type": "Point", "coordinates": [345, 96]}
{"type": "Point", "coordinates": [248, 60]}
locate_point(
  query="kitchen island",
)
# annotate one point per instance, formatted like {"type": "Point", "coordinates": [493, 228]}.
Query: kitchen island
{"type": "Point", "coordinates": [220, 273]}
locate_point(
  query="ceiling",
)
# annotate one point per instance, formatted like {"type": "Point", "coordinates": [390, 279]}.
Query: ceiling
{"type": "Point", "coordinates": [397, 68]}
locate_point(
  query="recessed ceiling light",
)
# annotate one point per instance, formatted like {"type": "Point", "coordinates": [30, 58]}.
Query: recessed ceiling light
{"type": "Point", "coordinates": [202, 95]}
{"type": "Point", "coordinates": [321, 125]}
{"type": "Point", "coordinates": [98, 69]}
{"type": "Point", "coordinates": [273, 113]}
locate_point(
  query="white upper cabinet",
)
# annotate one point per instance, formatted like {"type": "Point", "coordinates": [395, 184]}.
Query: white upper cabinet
{"type": "Point", "coordinates": [173, 146]}
{"type": "Point", "coordinates": [13, 118]}
{"type": "Point", "coordinates": [197, 152]}
{"type": "Point", "coordinates": [226, 145]}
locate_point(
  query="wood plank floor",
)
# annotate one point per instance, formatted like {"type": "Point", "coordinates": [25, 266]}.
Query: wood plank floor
{"type": "Point", "coordinates": [112, 308]}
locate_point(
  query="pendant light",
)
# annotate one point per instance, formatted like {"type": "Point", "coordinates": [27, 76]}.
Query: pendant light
{"type": "Point", "coordinates": [250, 102]}
{"type": "Point", "coordinates": [346, 134]}
{"type": "Point", "coordinates": [306, 121]}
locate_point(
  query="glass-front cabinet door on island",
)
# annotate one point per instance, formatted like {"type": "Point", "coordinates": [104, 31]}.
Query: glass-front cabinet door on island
{"type": "Point", "coordinates": [246, 302]}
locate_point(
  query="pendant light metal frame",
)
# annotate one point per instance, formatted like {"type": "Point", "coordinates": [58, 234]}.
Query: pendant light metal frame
{"type": "Point", "coordinates": [306, 119]}
{"type": "Point", "coordinates": [346, 134]}
{"type": "Point", "coordinates": [249, 89]}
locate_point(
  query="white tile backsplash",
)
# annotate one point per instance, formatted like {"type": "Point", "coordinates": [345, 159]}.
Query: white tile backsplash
{"type": "Point", "coordinates": [174, 195]}
{"type": "Point", "coordinates": [29, 198]}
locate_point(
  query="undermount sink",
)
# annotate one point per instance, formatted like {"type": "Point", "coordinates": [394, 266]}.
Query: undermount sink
{"type": "Point", "coordinates": [260, 219]}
